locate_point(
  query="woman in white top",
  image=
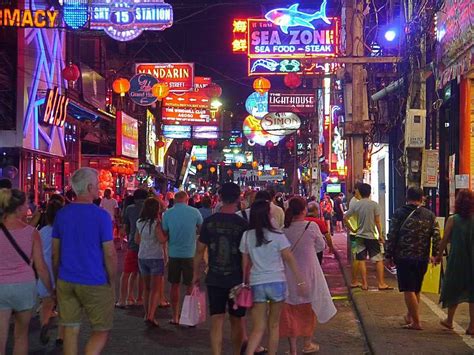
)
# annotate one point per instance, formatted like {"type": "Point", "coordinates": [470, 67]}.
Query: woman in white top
{"type": "Point", "coordinates": [265, 248]}
{"type": "Point", "coordinates": [151, 238]}
{"type": "Point", "coordinates": [299, 314]}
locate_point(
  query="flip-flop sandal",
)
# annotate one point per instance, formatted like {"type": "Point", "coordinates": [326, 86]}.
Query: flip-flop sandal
{"type": "Point", "coordinates": [388, 288]}
{"type": "Point", "coordinates": [407, 320]}
{"type": "Point", "coordinates": [356, 286]}
{"type": "Point", "coordinates": [313, 349]}
{"type": "Point", "coordinates": [120, 305]}
{"type": "Point", "coordinates": [152, 323]}
{"type": "Point", "coordinates": [261, 352]}
{"type": "Point", "coordinates": [446, 325]}
{"type": "Point", "coordinates": [164, 305]}
{"type": "Point", "coordinates": [364, 288]}
{"type": "Point", "coordinates": [172, 322]}
{"type": "Point", "coordinates": [410, 327]}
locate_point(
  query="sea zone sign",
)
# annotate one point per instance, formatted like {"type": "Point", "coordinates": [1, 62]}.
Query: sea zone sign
{"type": "Point", "coordinates": [125, 20]}
{"type": "Point", "coordinates": [178, 76]}
{"type": "Point", "coordinates": [299, 101]}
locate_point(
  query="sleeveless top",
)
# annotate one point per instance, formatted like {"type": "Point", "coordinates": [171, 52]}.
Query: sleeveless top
{"type": "Point", "coordinates": [13, 269]}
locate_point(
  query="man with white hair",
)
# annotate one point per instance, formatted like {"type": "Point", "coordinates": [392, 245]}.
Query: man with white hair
{"type": "Point", "coordinates": [85, 265]}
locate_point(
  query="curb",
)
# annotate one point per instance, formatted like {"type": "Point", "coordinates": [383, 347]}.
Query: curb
{"type": "Point", "coordinates": [356, 304]}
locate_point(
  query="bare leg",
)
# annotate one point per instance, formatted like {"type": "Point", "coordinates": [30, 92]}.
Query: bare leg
{"type": "Point", "coordinates": [175, 302]}
{"type": "Point", "coordinates": [308, 344]}
{"type": "Point", "coordinates": [131, 288]}
{"type": "Point", "coordinates": [96, 343]}
{"type": "Point", "coordinates": [154, 297]}
{"type": "Point", "coordinates": [363, 273]}
{"type": "Point", "coordinates": [380, 274]}
{"type": "Point", "coordinates": [274, 326]}
{"type": "Point", "coordinates": [124, 281]}
{"type": "Point", "coordinates": [451, 313]}
{"type": "Point", "coordinates": [355, 273]}
{"type": "Point", "coordinates": [70, 340]}
{"type": "Point", "coordinates": [217, 325]}
{"type": "Point", "coordinates": [4, 327]}
{"type": "Point", "coordinates": [470, 329]}
{"type": "Point", "coordinates": [259, 311]}
{"type": "Point", "coordinates": [146, 293]}
{"type": "Point", "coordinates": [140, 291]}
{"type": "Point", "coordinates": [411, 302]}
{"type": "Point", "coordinates": [47, 306]}
{"type": "Point", "coordinates": [236, 333]}
{"type": "Point", "coordinates": [293, 346]}
{"type": "Point", "coordinates": [22, 322]}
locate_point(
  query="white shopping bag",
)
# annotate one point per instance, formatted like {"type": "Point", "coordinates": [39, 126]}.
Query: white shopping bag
{"type": "Point", "coordinates": [194, 308]}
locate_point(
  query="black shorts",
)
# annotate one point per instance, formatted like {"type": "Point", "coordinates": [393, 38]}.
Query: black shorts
{"type": "Point", "coordinates": [219, 299]}
{"type": "Point", "coordinates": [368, 246]}
{"type": "Point", "coordinates": [410, 274]}
{"type": "Point", "coordinates": [339, 217]}
{"type": "Point", "coordinates": [178, 267]}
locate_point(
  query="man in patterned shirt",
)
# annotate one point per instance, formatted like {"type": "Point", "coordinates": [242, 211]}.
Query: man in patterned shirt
{"type": "Point", "coordinates": [413, 228]}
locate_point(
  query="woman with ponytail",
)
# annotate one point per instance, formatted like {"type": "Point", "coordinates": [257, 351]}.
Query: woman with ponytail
{"type": "Point", "coordinates": [19, 244]}
{"type": "Point", "coordinates": [265, 249]}
{"type": "Point", "coordinates": [299, 313]}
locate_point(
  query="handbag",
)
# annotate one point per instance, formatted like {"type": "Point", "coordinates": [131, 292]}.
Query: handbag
{"type": "Point", "coordinates": [244, 297]}
{"type": "Point", "coordinates": [17, 248]}
{"type": "Point", "coordinates": [194, 308]}
{"type": "Point", "coordinates": [301, 236]}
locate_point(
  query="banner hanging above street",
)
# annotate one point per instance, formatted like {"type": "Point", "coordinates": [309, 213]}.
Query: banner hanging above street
{"type": "Point", "coordinates": [300, 101]}
{"type": "Point", "coordinates": [178, 76]}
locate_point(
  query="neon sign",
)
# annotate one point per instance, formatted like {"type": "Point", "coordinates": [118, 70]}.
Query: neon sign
{"type": "Point", "coordinates": [75, 13]}
{"type": "Point", "coordinates": [292, 17]}
{"type": "Point", "coordinates": [125, 20]}
{"type": "Point", "coordinates": [179, 76]}
{"type": "Point", "coordinates": [55, 112]}
{"type": "Point", "coordinates": [28, 18]}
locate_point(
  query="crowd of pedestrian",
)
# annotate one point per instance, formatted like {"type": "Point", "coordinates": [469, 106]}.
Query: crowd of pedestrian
{"type": "Point", "coordinates": [258, 243]}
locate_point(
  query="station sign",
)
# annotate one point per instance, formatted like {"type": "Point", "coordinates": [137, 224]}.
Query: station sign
{"type": "Point", "coordinates": [187, 116]}
{"type": "Point", "coordinates": [281, 123]}
{"type": "Point", "coordinates": [124, 20]}
{"type": "Point", "coordinates": [29, 18]}
{"type": "Point", "coordinates": [178, 76]}
{"type": "Point", "coordinates": [299, 101]}
{"type": "Point", "coordinates": [55, 111]}
{"type": "Point", "coordinates": [140, 89]}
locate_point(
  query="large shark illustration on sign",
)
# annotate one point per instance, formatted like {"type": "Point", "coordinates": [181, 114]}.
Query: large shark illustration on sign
{"type": "Point", "coordinates": [292, 17]}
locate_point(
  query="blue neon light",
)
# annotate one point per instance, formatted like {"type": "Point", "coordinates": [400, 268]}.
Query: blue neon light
{"type": "Point", "coordinates": [75, 13]}
{"type": "Point", "coordinates": [292, 17]}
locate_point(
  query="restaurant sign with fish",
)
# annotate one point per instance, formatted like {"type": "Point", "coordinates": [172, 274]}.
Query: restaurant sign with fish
{"type": "Point", "coordinates": [280, 43]}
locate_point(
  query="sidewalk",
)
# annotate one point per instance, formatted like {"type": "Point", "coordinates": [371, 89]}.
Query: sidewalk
{"type": "Point", "coordinates": [381, 315]}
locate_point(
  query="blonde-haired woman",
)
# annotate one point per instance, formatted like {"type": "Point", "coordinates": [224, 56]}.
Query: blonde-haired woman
{"type": "Point", "coordinates": [19, 244]}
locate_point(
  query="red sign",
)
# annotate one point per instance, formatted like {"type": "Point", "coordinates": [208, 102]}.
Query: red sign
{"type": "Point", "coordinates": [179, 76]}
{"type": "Point", "coordinates": [187, 116]}
{"type": "Point", "coordinates": [191, 99]}
{"type": "Point", "coordinates": [127, 135]}
{"type": "Point", "coordinates": [300, 101]}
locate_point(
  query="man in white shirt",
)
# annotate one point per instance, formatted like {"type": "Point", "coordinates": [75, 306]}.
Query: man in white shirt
{"type": "Point", "coordinates": [109, 204]}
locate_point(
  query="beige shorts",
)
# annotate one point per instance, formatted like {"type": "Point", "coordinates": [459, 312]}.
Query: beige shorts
{"type": "Point", "coordinates": [96, 301]}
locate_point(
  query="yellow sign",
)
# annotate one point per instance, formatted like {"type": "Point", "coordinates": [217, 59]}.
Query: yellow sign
{"type": "Point", "coordinates": [28, 18]}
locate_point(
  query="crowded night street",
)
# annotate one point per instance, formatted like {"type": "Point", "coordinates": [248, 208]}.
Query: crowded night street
{"type": "Point", "coordinates": [245, 177]}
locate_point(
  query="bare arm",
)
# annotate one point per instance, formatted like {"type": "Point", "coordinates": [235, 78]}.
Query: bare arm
{"type": "Point", "coordinates": [246, 262]}
{"type": "Point", "coordinates": [110, 259]}
{"type": "Point", "coordinates": [160, 234]}
{"type": "Point", "coordinates": [56, 255]}
{"type": "Point", "coordinates": [40, 264]}
{"type": "Point", "coordinates": [378, 224]}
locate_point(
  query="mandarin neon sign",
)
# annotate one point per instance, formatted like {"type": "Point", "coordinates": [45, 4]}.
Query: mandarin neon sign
{"type": "Point", "coordinates": [28, 18]}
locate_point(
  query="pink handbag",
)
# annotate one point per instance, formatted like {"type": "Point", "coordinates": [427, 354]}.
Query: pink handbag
{"type": "Point", "coordinates": [244, 298]}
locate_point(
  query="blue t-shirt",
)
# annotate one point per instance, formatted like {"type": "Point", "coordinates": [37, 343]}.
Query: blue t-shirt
{"type": "Point", "coordinates": [82, 228]}
{"type": "Point", "coordinates": [180, 223]}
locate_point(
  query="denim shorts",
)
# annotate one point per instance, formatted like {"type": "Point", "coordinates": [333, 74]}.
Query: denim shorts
{"type": "Point", "coordinates": [154, 267]}
{"type": "Point", "coordinates": [273, 291]}
{"type": "Point", "coordinates": [18, 297]}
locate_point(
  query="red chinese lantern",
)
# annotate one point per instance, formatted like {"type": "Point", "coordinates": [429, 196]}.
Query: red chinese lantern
{"type": "Point", "coordinates": [199, 166]}
{"type": "Point", "coordinates": [208, 161]}
{"type": "Point", "coordinates": [261, 85]}
{"type": "Point", "coordinates": [121, 170]}
{"type": "Point", "coordinates": [121, 86]}
{"type": "Point", "coordinates": [71, 72]}
{"type": "Point", "coordinates": [212, 169]}
{"type": "Point", "coordinates": [238, 164]}
{"type": "Point", "coordinates": [269, 144]}
{"type": "Point", "coordinates": [229, 172]}
{"type": "Point", "coordinates": [255, 164]}
{"type": "Point", "coordinates": [292, 80]}
{"type": "Point", "coordinates": [193, 158]}
{"type": "Point", "coordinates": [222, 163]}
{"type": "Point", "coordinates": [260, 173]}
{"type": "Point", "coordinates": [187, 144]}
{"type": "Point", "coordinates": [290, 144]}
{"type": "Point", "coordinates": [114, 169]}
{"type": "Point", "coordinates": [273, 172]}
{"type": "Point", "coordinates": [130, 171]}
{"type": "Point", "coordinates": [160, 90]}
{"type": "Point", "coordinates": [239, 140]}
{"type": "Point", "coordinates": [159, 144]}
{"type": "Point", "coordinates": [213, 90]}
{"type": "Point", "coordinates": [212, 143]}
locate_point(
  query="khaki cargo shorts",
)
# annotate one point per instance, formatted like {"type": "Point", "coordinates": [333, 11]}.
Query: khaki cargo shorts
{"type": "Point", "coordinates": [97, 302]}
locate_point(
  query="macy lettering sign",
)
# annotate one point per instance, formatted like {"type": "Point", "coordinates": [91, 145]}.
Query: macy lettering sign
{"type": "Point", "coordinates": [281, 123]}
{"type": "Point", "coordinates": [28, 18]}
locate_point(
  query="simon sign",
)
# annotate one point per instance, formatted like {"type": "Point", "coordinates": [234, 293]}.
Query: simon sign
{"type": "Point", "coordinates": [281, 123]}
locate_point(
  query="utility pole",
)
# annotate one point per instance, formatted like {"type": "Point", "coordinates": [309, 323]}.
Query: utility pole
{"type": "Point", "coordinates": [357, 119]}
